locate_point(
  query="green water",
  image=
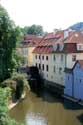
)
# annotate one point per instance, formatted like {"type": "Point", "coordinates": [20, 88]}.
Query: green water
{"type": "Point", "coordinates": [46, 109]}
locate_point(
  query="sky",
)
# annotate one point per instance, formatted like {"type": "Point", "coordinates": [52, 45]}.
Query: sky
{"type": "Point", "coordinates": [51, 14]}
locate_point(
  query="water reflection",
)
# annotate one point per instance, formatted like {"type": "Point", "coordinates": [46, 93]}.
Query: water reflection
{"type": "Point", "coordinates": [43, 108]}
{"type": "Point", "coordinates": [71, 105]}
{"type": "Point", "coordinates": [35, 119]}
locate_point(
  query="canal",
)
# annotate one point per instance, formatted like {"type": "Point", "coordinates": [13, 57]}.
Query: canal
{"type": "Point", "coordinates": [45, 108]}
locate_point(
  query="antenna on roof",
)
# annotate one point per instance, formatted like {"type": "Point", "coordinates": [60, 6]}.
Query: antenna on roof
{"type": "Point", "coordinates": [55, 31]}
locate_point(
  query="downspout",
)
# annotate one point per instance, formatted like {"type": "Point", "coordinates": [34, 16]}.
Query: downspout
{"type": "Point", "coordinates": [65, 68]}
{"type": "Point", "coordinates": [65, 60]}
{"type": "Point", "coordinates": [40, 64]}
{"type": "Point", "coordinates": [72, 84]}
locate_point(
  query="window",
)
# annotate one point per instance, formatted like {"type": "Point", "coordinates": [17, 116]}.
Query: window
{"type": "Point", "coordinates": [61, 57]}
{"type": "Point", "coordinates": [42, 66]}
{"type": "Point", "coordinates": [36, 57]}
{"type": "Point", "coordinates": [60, 70]}
{"type": "Point", "coordinates": [54, 57]}
{"type": "Point", "coordinates": [61, 46]}
{"type": "Point", "coordinates": [80, 80]}
{"type": "Point", "coordinates": [39, 66]}
{"type": "Point", "coordinates": [54, 69]}
{"type": "Point", "coordinates": [80, 47]}
{"type": "Point", "coordinates": [42, 57]}
{"type": "Point", "coordinates": [39, 56]}
{"type": "Point", "coordinates": [25, 51]}
{"type": "Point", "coordinates": [74, 58]}
{"type": "Point", "coordinates": [46, 57]}
{"type": "Point", "coordinates": [47, 68]}
{"type": "Point", "coordinates": [36, 64]}
{"type": "Point", "coordinates": [68, 77]}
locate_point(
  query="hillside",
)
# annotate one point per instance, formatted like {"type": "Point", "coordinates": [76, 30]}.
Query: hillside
{"type": "Point", "coordinates": [77, 26]}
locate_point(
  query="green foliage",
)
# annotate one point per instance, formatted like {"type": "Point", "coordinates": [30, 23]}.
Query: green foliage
{"type": "Point", "coordinates": [8, 37]}
{"type": "Point", "coordinates": [17, 83]}
{"type": "Point", "coordinates": [8, 83]}
{"type": "Point", "coordinates": [20, 35]}
{"type": "Point", "coordinates": [34, 29]}
{"type": "Point", "coordinates": [4, 118]}
{"type": "Point", "coordinates": [21, 84]}
{"type": "Point", "coordinates": [20, 77]}
{"type": "Point", "coordinates": [18, 59]}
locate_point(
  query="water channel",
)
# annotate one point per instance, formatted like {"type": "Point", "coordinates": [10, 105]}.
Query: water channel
{"type": "Point", "coordinates": [45, 109]}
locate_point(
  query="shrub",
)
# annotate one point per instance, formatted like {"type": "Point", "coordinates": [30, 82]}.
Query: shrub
{"type": "Point", "coordinates": [8, 83]}
{"type": "Point", "coordinates": [17, 83]}
{"type": "Point", "coordinates": [22, 82]}
{"type": "Point", "coordinates": [4, 117]}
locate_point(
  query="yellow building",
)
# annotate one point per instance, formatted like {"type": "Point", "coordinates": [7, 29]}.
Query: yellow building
{"type": "Point", "coordinates": [27, 47]}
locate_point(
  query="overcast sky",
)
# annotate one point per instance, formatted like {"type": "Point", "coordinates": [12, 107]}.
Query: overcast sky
{"type": "Point", "coordinates": [50, 14]}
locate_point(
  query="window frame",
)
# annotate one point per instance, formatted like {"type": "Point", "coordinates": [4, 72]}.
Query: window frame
{"type": "Point", "coordinates": [47, 68]}
{"type": "Point", "coordinates": [73, 58]}
{"type": "Point", "coordinates": [46, 57]}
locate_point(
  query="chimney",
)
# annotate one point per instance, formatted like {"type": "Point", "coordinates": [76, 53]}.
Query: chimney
{"type": "Point", "coordinates": [55, 31]}
{"type": "Point", "coordinates": [66, 34]}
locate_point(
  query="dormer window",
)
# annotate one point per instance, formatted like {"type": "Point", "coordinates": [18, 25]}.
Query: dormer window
{"type": "Point", "coordinates": [74, 58]}
{"type": "Point", "coordinates": [55, 47]}
{"type": "Point", "coordinates": [79, 46]}
{"type": "Point", "coordinates": [61, 47]}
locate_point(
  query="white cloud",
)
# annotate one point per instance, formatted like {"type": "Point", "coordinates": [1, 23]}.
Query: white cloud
{"type": "Point", "coordinates": [48, 13]}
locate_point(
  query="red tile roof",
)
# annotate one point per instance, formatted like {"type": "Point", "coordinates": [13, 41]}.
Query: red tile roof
{"type": "Point", "coordinates": [70, 42]}
{"type": "Point", "coordinates": [51, 38]}
{"type": "Point", "coordinates": [31, 40]}
{"type": "Point", "coordinates": [30, 37]}
{"type": "Point", "coordinates": [43, 50]}
{"type": "Point", "coordinates": [70, 48]}
{"type": "Point", "coordinates": [54, 35]}
{"type": "Point", "coordinates": [46, 44]}
{"type": "Point", "coordinates": [74, 37]}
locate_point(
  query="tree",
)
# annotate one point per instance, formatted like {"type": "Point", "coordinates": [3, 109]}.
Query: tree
{"type": "Point", "coordinates": [24, 30]}
{"type": "Point", "coordinates": [4, 117]}
{"type": "Point", "coordinates": [8, 38]}
{"type": "Point", "coordinates": [34, 29]}
{"type": "Point", "coordinates": [18, 59]}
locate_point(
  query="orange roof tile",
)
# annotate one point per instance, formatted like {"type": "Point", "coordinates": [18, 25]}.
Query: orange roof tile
{"type": "Point", "coordinates": [43, 50]}
{"type": "Point", "coordinates": [74, 37]}
{"type": "Point", "coordinates": [31, 40]}
{"type": "Point", "coordinates": [47, 42]}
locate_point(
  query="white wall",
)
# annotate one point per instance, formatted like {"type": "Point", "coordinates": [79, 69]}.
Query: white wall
{"type": "Point", "coordinates": [70, 63]}
{"type": "Point", "coordinates": [58, 76]}
{"type": "Point", "coordinates": [55, 77]}
{"type": "Point", "coordinates": [45, 74]}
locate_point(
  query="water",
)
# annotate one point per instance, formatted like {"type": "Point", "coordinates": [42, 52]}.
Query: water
{"type": "Point", "coordinates": [46, 109]}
